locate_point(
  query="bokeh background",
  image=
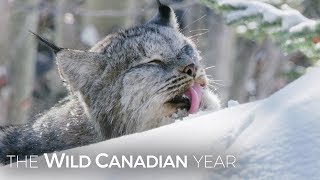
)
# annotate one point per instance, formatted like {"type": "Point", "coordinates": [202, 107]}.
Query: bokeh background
{"type": "Point", "coordinates": [241, 67]}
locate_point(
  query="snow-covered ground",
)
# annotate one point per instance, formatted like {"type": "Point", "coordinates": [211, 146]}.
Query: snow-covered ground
{"type": "Point", "coordinates": [276, 138]}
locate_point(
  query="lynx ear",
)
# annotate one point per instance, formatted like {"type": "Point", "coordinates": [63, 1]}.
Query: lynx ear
{"type": "Point", "coordinates": [80, 68]}
{"type": "Point", "coordinates": [45, 41]}
{"type": "Point", "coordinates": [165, 16]}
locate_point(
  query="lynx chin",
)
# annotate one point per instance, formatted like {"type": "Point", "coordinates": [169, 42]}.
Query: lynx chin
{"type": "Point", "coordinates": [131, 81]}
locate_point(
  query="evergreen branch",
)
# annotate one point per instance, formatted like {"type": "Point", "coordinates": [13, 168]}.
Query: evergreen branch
{"type": "Point", "coordinates": [286, 25]}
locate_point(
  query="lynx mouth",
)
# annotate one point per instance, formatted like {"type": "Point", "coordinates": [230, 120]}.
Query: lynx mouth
{"type": "Point", "coordinates": [189, 100]}
{"type": "Point", "coordinates": [181, 102]}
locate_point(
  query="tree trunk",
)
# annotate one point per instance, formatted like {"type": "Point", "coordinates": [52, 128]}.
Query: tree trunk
{"type": "Point", "coordinates": [22, 58]}
{"type": "Point", "coordinates": [4, 60]}
{"type": "Point", "coordinates": [106, 24]}
{"type": "Point", "coordinates": [4, 17]}
{"type": "Point", "coordinates": [221, 54]}
{"type": "Point", "coordinates": [68, 25]}
{"type": "Point", "coordinates": [243, 69]}
{"type": "Point", "coordinates": [268, 69]}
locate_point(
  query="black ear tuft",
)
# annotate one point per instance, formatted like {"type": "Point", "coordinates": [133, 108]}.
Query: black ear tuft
{"type": "Point", "coordinates": [165, 16]}
{"type": "Point", "coordinates": [51, 45]}
{"type": "Point", "coordinates": [164, 11]}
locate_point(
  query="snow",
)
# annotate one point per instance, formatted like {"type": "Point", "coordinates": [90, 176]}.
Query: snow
{"type": "Point", "coordinates": [232, 103]}
{"type": "Point", "coordinates": [275, 138]}
{"type": "Point", "coordinates": [309, 25]}
{"type": "Point", "coordinates": [90, 35]}
{"type": "Point", "coordinates": [270, 14]}
{"type": "Point", "coordinates": [291, 19]}
{"type": "Point", "coordinates": [317, 46]}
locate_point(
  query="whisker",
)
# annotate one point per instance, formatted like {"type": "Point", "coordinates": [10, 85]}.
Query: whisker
{"type": "Point", "coordinates": [200, 34]}
{"type": "Point", "coordinates": [217, 83]}
{"type": "Point", "coordinates": [215, 80]}
{"type": "Point", "coordinates": [199, 30]}
{"type": "Point", "coordinates": [209, 67]}
{"type": "Point", "coordinates": [194, 21]}
{"type": "Point", "coordinates": [215, 89]}
{"type": "Point", "coordinates": [185, 13]}
{"type": "Point", "coordinates": [204, 31]}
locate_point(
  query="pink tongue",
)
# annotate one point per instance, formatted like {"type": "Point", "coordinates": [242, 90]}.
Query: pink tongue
{"type": "Point", "coordinates": [194, 93]}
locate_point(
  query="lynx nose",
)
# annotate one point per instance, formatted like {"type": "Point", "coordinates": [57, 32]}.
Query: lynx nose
{"type": "Point", "coordinates": [191, 70]}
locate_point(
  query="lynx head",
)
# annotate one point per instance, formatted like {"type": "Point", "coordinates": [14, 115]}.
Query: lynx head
{"type": "Point", "coordinates": [139, 78]}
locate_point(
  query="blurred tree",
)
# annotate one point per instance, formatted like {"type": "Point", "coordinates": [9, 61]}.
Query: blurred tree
{"type": "Point", "coordinates": [22, 51]}
{"type": "Point", "coordinates": [312, 8]}
{"type": "Point", "coordinates": [221, 54]}
{"type": "Point", "coordinates": [105, 24]}
{"type": "Point", "coordinates": [263, 68]}
{"type": "Point", "coordinates": [4, 17]}
{"type": "Point", "coordinates": [4, 61]}
{"type": "Point", "coordinates": [244, 65]}
{"type": "Point", "coordinates": [68, 25]}
{"type": "Point", "coordinates": [285, 25]}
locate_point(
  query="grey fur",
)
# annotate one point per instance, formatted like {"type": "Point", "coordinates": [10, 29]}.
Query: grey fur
{"type": "Point", "coordinates": [115, 89]}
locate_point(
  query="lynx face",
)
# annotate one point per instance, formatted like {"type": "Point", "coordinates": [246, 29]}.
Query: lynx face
{"type": "Point", "coordinates": [165, 78]}
{"type": "Point", "coordinates": [139, 78]}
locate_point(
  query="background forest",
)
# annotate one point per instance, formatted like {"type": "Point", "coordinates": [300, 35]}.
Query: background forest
{"type": "Point", "coordinates": [245, 61]}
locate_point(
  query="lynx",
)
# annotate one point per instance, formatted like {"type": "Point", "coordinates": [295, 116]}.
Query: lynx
{"type": "Point", "coordinates": [131, 81]}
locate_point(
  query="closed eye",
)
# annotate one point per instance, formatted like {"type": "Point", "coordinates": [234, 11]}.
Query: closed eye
{"type": "Point", "coordinates": [156, 62]}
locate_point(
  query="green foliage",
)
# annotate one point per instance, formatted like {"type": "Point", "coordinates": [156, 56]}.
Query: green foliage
{"type": "Point", "coordinates": [253, 27]}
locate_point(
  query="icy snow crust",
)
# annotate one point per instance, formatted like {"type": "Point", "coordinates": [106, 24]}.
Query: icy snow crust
{"type": "Point", "coordinates": [276, 138]}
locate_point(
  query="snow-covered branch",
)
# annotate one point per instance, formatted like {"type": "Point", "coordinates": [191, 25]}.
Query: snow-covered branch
{"type": "Point", "coordinates": [289, 27]}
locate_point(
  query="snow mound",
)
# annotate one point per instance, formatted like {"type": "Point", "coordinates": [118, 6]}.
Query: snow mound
{"type": "Point", "coordinates": [276, 138]}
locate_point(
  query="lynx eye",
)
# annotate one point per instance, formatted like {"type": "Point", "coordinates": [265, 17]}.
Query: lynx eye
{"type": "Point", "coordinates": [156, 61]}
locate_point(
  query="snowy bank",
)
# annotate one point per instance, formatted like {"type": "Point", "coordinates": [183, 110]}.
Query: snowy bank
{"type": "Point", "coordinates": [276, 138]}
